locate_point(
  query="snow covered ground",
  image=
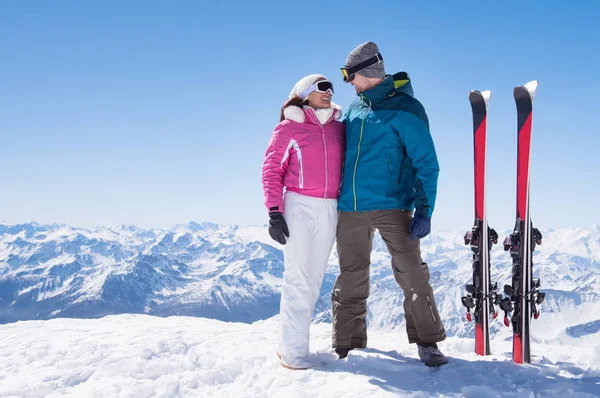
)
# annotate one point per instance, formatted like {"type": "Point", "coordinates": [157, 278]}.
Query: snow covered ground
{"type": "Point", "coordinates": [147, 356]}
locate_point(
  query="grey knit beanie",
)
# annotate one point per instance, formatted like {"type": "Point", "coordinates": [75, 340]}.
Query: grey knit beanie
{"type": "Point", "coordinates": [363, 52]}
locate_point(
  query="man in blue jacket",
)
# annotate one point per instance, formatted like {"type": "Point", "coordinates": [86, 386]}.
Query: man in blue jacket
{"type": "Point", "coordinates": [390, 171]}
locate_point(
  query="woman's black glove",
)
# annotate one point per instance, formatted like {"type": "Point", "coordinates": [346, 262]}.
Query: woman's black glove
{"type": "Point", "coordinates": [278, 229]}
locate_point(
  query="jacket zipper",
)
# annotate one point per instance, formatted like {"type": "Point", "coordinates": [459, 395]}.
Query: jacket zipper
{"type": "Point", "coordinates": [431, 309]}
{"type": "Point", "coordinates": [301, 176]}
{"type": "Point", "coordinates": [326, 157]}
{"type": "Point", "coordinates": [358, 151]}
{"type": "Point", "coordinates": [326, 160]}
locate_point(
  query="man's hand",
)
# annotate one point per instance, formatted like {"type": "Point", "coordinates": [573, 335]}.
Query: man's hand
{"type": "Point", "coordinates": [278, 228]}
{"type": "Point", "coordinates": [420, 226]}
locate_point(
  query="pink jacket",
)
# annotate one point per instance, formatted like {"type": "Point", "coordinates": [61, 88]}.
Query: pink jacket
{"type": "Point", "coordinates": [304, 156]}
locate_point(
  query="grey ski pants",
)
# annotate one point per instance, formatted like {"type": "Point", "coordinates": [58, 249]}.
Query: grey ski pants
{"type": "Point", "coordinates": [355, 232]}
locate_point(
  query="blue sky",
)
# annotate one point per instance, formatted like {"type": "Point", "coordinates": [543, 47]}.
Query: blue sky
{"type": "Point", "coordinates": [157, 113]}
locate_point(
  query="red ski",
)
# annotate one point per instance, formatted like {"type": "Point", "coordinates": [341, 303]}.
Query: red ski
{"type": "Point", "coordinates": [524, 297]}
{"type": "Point", "coordinates": [481, 294]}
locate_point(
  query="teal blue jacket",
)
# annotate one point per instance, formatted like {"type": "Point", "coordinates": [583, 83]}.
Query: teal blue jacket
{"type": "Point", "coordinates": [390, 160]}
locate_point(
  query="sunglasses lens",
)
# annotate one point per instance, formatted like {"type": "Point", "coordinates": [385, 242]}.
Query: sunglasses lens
{"type": "Point", "coordinates": [324, 86]}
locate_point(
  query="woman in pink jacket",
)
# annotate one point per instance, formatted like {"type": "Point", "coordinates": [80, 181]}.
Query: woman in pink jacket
{"type": "Point", "coordinates": [304, 157]}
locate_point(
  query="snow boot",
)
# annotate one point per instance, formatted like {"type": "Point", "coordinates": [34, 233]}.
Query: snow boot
{"type": "Point", "coordinates": [342, 352]}
{"type": "Point", "coordinates": [294, 363]}
{"type": "Point", "coordinates": [431, 355]}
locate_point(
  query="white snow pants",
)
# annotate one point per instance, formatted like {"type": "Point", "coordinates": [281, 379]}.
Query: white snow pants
{"type": "Point", "coordinates": [312, 224]}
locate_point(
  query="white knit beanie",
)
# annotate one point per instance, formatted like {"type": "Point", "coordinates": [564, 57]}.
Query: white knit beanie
{"type": "Point", "coordinates": [305, 83]}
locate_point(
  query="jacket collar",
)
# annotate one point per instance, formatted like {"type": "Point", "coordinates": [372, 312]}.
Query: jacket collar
{"type": "Point", "coordinates": [308, 115]}
{"type": "Point", "coordinates": [389, 87]}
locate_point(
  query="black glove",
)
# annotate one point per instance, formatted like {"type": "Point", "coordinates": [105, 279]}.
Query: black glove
{"type": "Point", "coordinates": [278, 228]}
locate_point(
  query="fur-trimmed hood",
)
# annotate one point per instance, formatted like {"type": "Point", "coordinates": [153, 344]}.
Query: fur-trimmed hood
{"type": "Point", "coordinates": [324, 116]}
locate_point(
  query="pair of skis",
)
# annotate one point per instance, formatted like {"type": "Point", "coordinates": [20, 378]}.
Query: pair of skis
{"type": "Point", "coordinates": [522, 297]}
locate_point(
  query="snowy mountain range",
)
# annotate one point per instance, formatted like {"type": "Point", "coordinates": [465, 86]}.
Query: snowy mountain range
{"type": "Point", "coordinates": [233, 273]}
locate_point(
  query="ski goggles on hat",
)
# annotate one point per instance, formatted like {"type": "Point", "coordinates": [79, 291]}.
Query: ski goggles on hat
{"type": "Point", "coordinates": [348, 74]}
{"type": "Point", "coordinates": [322, 86]}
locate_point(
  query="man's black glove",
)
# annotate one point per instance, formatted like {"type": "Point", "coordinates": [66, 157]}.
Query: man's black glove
{"type": "Point", "coordinates": [278, 229]}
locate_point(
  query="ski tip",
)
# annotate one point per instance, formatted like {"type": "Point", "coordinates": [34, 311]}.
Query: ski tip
{"type": "Point", "coordinates": [486, 95]}
{"type": "Point", "coordinates": [480, 94]}
{"type": "Point", "coordinates": [530, 87]}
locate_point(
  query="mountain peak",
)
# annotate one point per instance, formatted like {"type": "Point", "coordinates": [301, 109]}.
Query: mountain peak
{"type": "Point", "coordinates": [197, 227]}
